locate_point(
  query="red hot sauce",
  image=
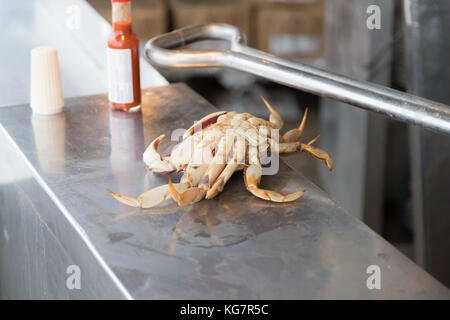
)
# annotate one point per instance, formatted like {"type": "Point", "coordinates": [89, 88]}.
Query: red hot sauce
{"type": "Point", "coordinates": [123, 60]}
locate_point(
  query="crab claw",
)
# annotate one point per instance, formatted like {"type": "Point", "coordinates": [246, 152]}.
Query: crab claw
{"type": "Point", "coordinates": [186, 197]}
{"type": "Point", "coordinates": [153, 159]}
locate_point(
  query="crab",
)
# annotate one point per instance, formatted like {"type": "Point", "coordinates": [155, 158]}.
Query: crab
{"type": "Point", "coordinates": [215, 147]}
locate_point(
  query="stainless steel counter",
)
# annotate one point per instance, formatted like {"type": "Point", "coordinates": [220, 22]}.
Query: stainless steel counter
{"type": "Point", "coordinates": [55, 212]}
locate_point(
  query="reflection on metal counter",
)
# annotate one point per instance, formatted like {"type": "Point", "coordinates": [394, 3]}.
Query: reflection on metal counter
{"type": "Point", "coordinates": [127, 143]}
{"type": "Point", "coordinates": [234, 246]}
{"type": "Point", "coordinates": [50, 139]}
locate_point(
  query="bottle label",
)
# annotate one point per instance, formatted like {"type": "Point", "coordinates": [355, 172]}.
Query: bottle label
{"type": "Point", "coordinates": [120, 75]}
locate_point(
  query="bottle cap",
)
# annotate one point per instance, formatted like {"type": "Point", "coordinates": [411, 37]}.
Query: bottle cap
{"type": "Point", "coordinates": [46, 96]}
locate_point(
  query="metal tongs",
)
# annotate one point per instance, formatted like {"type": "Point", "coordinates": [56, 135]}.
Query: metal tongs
{"type": "Point", "coordinates": [164, 51]}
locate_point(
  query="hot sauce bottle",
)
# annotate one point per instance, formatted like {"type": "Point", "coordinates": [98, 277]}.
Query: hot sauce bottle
{"type": "Point", "coordinates": [123, 60]}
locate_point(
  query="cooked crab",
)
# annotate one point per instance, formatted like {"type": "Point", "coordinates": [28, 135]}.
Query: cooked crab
{"type": "Point", "coordinates": [213, 149]}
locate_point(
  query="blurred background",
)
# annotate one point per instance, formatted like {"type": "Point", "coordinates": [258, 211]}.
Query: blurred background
{"type": "Point", "coordinates": [393, 176]}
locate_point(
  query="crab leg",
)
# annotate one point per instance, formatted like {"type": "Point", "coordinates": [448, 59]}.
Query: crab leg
{"type": "Point", "coordinates": [157, 195]}
{"type": "Point", "coordinates": [129, 201]}
{"type": "Point", "coordinates": [151, 197]}
{"type": "Point", "coordinates": [226, 174]}
{"type": "Point", "coordinates": [233, 165]}
{"type": "Point", "coordinates": [252, 178]}
{"type": "Point", "coordinates": [292, 147]}
{"type": "Point", "coordinates": [295, 134]}
{"type": "Point", "coordinates": [275, 118]}
{"type": "Point", "coordinates": [153, 159]}
{"type": "Point", "coordinates": [319, 154]}
{"type": "Point", "coordinates": [218, 163]}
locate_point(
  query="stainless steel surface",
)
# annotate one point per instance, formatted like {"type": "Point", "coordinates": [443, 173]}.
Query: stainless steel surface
{"type": "Point", "coordinates": [164, 51]}
{"type": "Point", "coordinates": [39, 239]}
{"type": "Point", "coordinates": [234, 246]}
{"type": "Point", "coordinates": [427, 47]}
{"type": "Point", "coordinates": [34, 257]}
{"type": "Point", "coordinates": [75, 29]}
